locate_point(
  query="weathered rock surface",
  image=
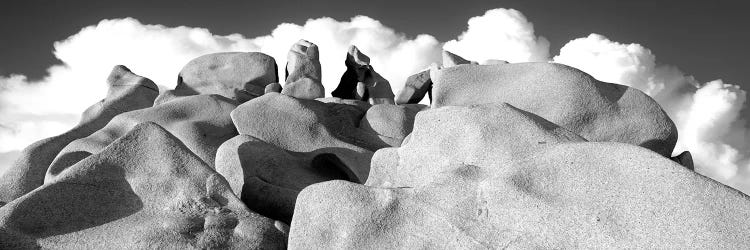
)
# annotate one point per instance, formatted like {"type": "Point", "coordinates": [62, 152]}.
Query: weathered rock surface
{"type": "Point", "coordinates": [201, 122]}
{"type": "Point", "coordinates": [145, 190]}
{"type": "Point", "coordinates": [450, 59]}
{"type": "Point", "coordinates": [361, 82]}
{"type": "Point", "coordinates": [268, 178]}
{"type": "Point", "coordinates": [529, 155]}
{"type": "Point", "coordinates": [303, 71]}
{"type": "Point", "coordinates": [415, 88]}
{"type": "Point", "coordinates": [344, 128]}
{"type": "Point", "coordinates": [127, 91]}
{"type": "Point", "coordinates": [566, 96]}
{"type": "Point", "coordinates": [494, 176]}
{"type": "Point", "coordinates": [685, 159]}
{"type": "Point", "coordinates": [235, 75]}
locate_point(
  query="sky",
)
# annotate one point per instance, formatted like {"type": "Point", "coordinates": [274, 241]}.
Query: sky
{"type": "Point", "coordinates": [688, 55]}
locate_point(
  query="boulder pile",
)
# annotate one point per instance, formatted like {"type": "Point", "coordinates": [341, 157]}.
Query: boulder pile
{"type": "Point", "coordinates": [507, 155]}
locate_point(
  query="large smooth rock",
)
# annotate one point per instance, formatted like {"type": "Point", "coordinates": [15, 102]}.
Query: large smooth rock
{"type": "Point", "coordinates": [240, 76]}
{"type": "Point", "coordinates": [392, 123]}
{"type": "Point", "coordinates": [202, 122]}
{"type": "Point", "coordinates": [287, 144]}
{"type": "Point", "coordinates": [494, 176]}
{"type": "Point", "coordinates": [566, 96]}
{"type": "Point", "coordinates": [127, 91]}
{"type": "Point", "coordinates": [361, 82]}
{"type": "Point", "coordinates": [268, 178]}
{"type": "Point", "coordinates": [301, 125]}
{"type": "Point", "coordinates": [303, 72]}
{"type": "Point", "coordinates": [146, 190]}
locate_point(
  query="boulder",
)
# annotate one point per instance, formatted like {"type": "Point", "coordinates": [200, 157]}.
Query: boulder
{"type": "Point", "coordinates": [239, 76]}
{"type": "Point", "coordinates": [146, 190]}
{"type": "Point", "coordinates": [392, 123]}
{"type": "Point", "coordinates": [415, 88]}
{"type": "Point", "coordinates": [351, 130]}
{"type": "Point", "coordinates": [566, 96]}
{"type": "Point", "coordinates": [301, 125]}
{"type": "Point", "coordinates": [450, 59]}
{"type": "Point", "coordinates": [303, 72]}
{"type": "Point", "coordinates": [495, 176]}
{"type": "Point", "coordinates": [127, 91]}
{"type": "Point", "coordinates": [361, 82]}
{"type": "Point", "coordinates": [201, 122]}
{"type": "Point", "coordinates": [685, 159]}
{"type": "Point", "coordinates": [268, 178]}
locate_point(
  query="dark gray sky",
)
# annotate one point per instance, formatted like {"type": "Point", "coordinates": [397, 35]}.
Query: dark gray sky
{"type": "Point", "coordinates": [707, 39]}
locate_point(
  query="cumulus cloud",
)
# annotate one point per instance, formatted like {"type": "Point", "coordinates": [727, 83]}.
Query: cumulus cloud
{"type": "Point", "coordinates": [502, 34]}
{"type": "Point", "coordinates": [706, 115]}
{"type": "Point", "coordinates": [34, 110]}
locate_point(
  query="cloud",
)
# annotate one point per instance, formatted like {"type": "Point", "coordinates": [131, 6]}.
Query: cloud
{"type": "Point", "coordinates": [502, 34]}
{"type": "Point", "coordinates": [706, 115]}
{"type": "Point", "coordinates": [34, 110]}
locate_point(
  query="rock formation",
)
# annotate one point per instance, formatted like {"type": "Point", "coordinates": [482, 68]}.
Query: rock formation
{"type": "Point", "coordinates": [361, 82]}
{"type": "Point", "coordinates": [494, 176]}
{"type": "Point", "coordinates": [450, 59]}
{"type": "Point", "coordinates": [127, 91]}
{"type": "Point", "coordinates": [303, 72]}
{"type": "Point", "coordinates": [566, 96]}
{"type": "Point", "coordinates": [235, 75]}
{"type": "Point", "coordinates": [416, 87]}
{"type": "Point", "coordinates": [508, 155]}
{"type": "Point", "coordinates": [201, 122]}
{"type": "Point", "coordinates": [145, 190]}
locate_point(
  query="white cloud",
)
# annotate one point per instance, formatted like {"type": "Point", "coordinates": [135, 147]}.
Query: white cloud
{"type": "Point", "coordinates": [502, 34]}
{"type": "Point", "coordinates": [706, 115]}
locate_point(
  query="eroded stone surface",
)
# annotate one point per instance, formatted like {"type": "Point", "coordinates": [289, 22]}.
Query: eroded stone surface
{"type": "Point", "coordinates": [268, 178]}
{"type": "Point", "coordinates": [415, 88]}
{"type": "Point", "coordinates": [239, 76]}
{"type": "Point", "coordinates": [145, 190]}
{"type": "Point", "coordinates": [494, 176]}
{"type": "Point", "coordinates": [361, 82]}
{"type": "Point", "coordinates": [303, 72]}
{"type": "Point", "coordinates": [201, 122]}
{"type": "Point", "coordinates": [598, 111]}
{"type": "Point", "coordinates": [127, 91]}
{"type": "Point", "coordinates": [311, 126]}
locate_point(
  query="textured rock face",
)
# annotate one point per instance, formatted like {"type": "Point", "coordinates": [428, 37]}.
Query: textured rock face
{"type": "Point", "coordinates": [202, 122]}
{"type": "Point", "coordinates": [303, 72]}
{"type": "Point", "coordinates": [531, 155]}
{"type": "Point", "coordinates": [450, 59]}
{"type": "Point", "coordinates": [312, 126]}
{"type": "Point", "coordinates": [287, 144]}
{"type": "Point", "coordinates": [415, 88]}
{"type": "Point", "coordinates": [268, 178]}
{"type": "Point", "coordinates": [145, 190]}
{"type": "Point", "coordinates": [494, 176]}
{"type": "Point", "coordinates": [235, 75]}
{"type": "Point", "coordinates": [596, 110]}
{"type": "Point", "coordinates": [361, 82]}
{"type": "Point", "coordinates": [127, 91]}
